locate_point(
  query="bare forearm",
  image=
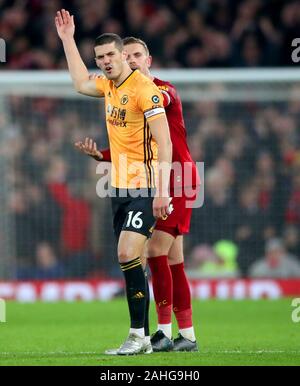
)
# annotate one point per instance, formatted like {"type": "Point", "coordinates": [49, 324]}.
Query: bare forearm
{"type": "Point", "coordinates": [164, 161]}
{"type": "Point", "coordinates": [77, 68]}
{"type": "Point", "coordinates": [160, 131]}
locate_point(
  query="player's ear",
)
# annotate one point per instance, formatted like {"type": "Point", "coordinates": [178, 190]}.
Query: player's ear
{"type": "Point", "coordinates": [124, 55]}
{"type": "Point", "coordinates": [149, 61]}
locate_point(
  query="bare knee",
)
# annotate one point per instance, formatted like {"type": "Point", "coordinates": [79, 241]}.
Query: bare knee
{"type": "Point", "coordinates": [175, 259]}
{"type": "Point", "coordinates": [175, 255]}
{"type": "Point", "coordinates": [155, 249]}
{"type": "Point", "coordinates": [125, 255]}
{"type": "Point", "coordinates": [130, 246]}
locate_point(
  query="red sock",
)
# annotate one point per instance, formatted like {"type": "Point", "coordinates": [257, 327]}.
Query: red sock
{"type": "Point", "coordinates": [182, 305]}
{"type": "Point", "coordinates": [162, 287]}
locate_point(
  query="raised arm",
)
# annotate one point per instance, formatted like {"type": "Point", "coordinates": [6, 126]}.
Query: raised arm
{"type": "Point", "coordinates": [65, 27]}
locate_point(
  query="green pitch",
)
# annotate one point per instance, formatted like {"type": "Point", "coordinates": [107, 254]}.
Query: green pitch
{"type": "Point", "coordinates": [229, 333]}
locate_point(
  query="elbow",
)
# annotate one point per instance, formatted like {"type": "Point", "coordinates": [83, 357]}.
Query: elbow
{"type": "Point", "coordinates": [78, 88]}
{"type": "Point", "coordinates": [79, 85]}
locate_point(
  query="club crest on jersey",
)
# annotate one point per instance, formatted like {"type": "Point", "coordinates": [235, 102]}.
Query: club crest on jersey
{"type": "Point", "coordinates": [155, 99]}
{"type": "Point", "coordinates": [124, 99]}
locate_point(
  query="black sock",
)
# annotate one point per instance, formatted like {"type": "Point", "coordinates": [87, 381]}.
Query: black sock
{"type": "Point", "coordinates": [146, 324]}
{"type": "Point", "coordinates": [135, 291]}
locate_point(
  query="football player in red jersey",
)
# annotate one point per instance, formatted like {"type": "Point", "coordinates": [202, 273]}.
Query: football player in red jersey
{"type": "Point", "coordinates": [164, 250]}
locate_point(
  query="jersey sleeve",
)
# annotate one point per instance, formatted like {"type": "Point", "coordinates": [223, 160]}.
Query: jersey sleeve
{"type": "Point", "coordinates": [106, 155]}
{"type": "Point", "coordinates": [168, 93]}
{"type": "Point", "coordinates": [150, 101]}
{"type": "Point", "coordinates": [100, 84]}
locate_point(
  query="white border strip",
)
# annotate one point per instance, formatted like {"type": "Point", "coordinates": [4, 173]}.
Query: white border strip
{"type": "Point", "coordinates": [187, 76]}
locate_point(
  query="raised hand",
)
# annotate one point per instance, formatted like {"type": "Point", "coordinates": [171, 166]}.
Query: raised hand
{"type": "Point", "coordinates": [64, 23]}
{"type": "Point", "coordinates": [89, 147]}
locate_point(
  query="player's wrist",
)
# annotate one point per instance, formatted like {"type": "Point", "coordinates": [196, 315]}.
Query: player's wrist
{"type": "Point", "coordinates": [67, 39]}
{"type": "Point", "coordinates": [96, 157]}
{"type": "Point", "coordinates": [162, 194]}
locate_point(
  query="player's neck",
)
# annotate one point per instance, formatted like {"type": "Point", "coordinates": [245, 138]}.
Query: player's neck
{"type": "Point", "coordinates": [124, 75]}
{"type": "Point", "coordinates": [148, 74]}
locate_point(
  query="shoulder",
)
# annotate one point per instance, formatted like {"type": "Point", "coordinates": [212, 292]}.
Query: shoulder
{"type": "Point", "coordinates": [101, 81]}
{"type": "Point", "coordinates": [167, 89]}
{"type": "Point", "coordinates": [144, 86]}
{"type": "Point", "coordinates": [141, 78]}
{"type": "Point", "coordinates": [101, 78]}
{"type": "Point", "coordinates": [164, 85]}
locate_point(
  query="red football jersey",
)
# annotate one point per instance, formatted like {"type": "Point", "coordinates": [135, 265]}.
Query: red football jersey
{"type": "Point", "coordinates": [189, 175]}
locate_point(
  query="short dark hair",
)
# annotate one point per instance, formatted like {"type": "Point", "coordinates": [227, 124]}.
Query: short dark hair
{"type": "Point", "coordinates": [109, 38]}
{"type": "Point", "coordinates": [133, 40]}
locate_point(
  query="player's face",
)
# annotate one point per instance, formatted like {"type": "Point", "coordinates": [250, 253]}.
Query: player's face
{"type": "Point", "coordinates": [110, 60]}
{"type": "Point", "coordinates": [137, 57]}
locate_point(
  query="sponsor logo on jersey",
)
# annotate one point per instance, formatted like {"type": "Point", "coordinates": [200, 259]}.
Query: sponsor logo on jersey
{"type": "Point", "coordinates": [116, 116]}
{"type": "Point", "coordinates": [155, 99]}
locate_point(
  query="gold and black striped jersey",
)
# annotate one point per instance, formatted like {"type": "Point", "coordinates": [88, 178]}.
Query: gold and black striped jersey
{"type": "Point", "coordinates": [129, 107]}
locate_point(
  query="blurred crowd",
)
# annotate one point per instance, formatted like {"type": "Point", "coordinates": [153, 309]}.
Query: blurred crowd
{"type": "Point", "coordinates": [251, 211]}
{"type": "Point", "coordinates": [57, 218]}
{"type": "Point", "coordinates": [252, 183]}
{"type": "Point", "coordinates": [250, 221]}
{"type": "Point", "coordinates": [180, 33]}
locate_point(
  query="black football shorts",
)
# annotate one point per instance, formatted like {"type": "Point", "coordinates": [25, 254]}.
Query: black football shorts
{"type": "Point", "coordinates": [133, 214]}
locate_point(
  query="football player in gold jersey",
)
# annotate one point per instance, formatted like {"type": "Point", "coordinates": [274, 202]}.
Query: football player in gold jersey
{"type": "Point", "coordinates": [138, 131]}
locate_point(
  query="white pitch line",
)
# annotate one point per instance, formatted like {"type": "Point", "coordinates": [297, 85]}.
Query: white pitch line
{"type": "Point", "coordinates": [49, 353]}
{"type": "Point", "coordinates": [255, 352]}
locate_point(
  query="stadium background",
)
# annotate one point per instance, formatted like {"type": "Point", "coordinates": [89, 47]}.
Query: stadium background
{"type": "Point", "coordinates": [53, 224]}
{"type": "Point", "coordinates": [231, 62]}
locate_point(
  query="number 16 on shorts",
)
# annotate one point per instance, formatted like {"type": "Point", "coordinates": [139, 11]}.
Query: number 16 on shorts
{"type": "Point", "coordinates": [134, 220]}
